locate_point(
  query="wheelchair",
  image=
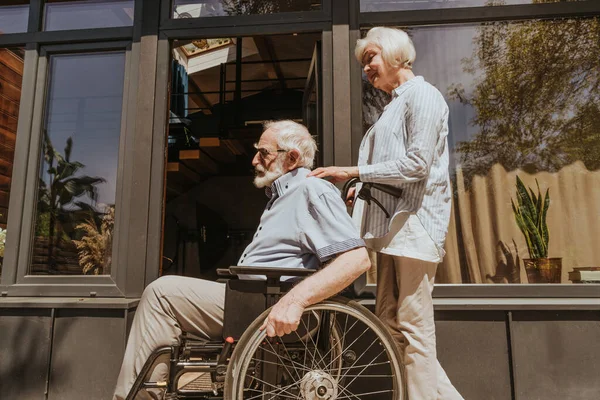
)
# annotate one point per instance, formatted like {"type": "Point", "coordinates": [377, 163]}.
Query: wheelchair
{"type": "Point", "coordinates": [339, 351]}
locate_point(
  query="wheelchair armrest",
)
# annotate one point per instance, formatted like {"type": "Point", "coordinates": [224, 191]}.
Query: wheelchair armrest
{"type": "Point", "coordinates": [225, 273]}
{"type": "Point", "coordinates": [270, 272]}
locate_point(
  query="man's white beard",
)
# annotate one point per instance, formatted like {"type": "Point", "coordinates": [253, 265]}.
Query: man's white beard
{"type": "Point", "coordinates": [266, 178]}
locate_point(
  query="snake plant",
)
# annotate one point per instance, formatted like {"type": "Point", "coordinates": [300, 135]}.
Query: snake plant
{"type": "Point", "coordinates": [530, 214]}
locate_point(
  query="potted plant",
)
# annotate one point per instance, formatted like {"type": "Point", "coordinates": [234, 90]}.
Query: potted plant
{"type": "Point", "coordinates": [530, 214]}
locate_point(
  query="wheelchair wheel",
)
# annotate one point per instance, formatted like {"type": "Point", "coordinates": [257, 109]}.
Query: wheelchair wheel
{"type": "Point", "coordinates": [340, 351]}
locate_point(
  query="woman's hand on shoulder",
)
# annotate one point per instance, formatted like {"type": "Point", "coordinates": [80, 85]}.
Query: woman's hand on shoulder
{"type": "Point", "coordinates": [335, 174]}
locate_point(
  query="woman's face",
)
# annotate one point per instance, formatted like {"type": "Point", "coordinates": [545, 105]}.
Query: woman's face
{"type": "Point", "coordinates": [378, 72]}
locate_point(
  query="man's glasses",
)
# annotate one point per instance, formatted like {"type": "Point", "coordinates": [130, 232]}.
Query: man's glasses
{"type": "Point", "coordinates": [264, 153]}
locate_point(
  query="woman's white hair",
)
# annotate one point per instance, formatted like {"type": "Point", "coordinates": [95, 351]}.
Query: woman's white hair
{"type": "Point", "coordinates": [294, 136]}
{"type": "Point", "coordinates": [397, 48]}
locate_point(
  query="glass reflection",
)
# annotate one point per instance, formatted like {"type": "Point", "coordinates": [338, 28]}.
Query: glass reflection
{"type": "Point", "coordinates": [14, 15]}
{"type": "Point", "coordinates": [218, 8]}
{"type": "Point", "coordinates": [524, 104]}
{"type": "Point", "coordinates": [63, 15]}
{"type": "Point", "coordinates": [11, 77]}
{"type": "Point", "coordinates": [77, 185]}
{"type": "Point", "coordinates": [399, 5]}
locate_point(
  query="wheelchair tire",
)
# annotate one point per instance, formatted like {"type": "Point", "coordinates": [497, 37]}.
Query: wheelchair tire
{"type": "Point", "coordinates": [384, 377]}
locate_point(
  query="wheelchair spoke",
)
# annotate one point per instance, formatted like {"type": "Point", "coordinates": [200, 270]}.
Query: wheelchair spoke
{"type": "Point", "coordinates": [361, 395]}
{"type": "Point", "coordinates": [362, 365]}
{"type": "Point", "coordinates": [341, 354]}
{"type": "Point", "coordinates": [280, 359]}
{"type": "Point", "coordinates": [342, 347]}
{"type": "Point", "coordinates": [291, 361]}
{"type": "Point", "coordinates": [275, 392]}
{"type": "Point", "coordinates": [316, 347]}
{"type": "Point", "coordinates": [273, 363]}
{"type": "Point", "coordinates": [306, 350]}
{"type": "Point", "coordinates": [366, 365]}
{"type": "Point", "coordinates": [290, 357]}
{"type": "Point", "coordinates": [344, 389]}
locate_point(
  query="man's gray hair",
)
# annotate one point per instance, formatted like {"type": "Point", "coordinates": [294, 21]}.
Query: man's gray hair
{"type": "Point", "coordinates": [294, 136]}
{"type": "Point", "coordinates": [397, 48]}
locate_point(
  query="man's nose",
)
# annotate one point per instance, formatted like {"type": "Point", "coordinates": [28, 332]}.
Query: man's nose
{"type": "Point", "coordinates": [366, 68]}
{"type": "Point", "coordinates": [255, 160]}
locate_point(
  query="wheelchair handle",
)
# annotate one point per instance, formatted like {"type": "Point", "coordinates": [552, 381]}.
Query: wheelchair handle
{"type": "Point", "coordinates": [391, 190]}
{"type": "Point", "coordinates": [365, 192]}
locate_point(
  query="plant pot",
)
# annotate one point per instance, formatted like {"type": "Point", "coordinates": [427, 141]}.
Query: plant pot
{"type": "Point", "coordinates": [543, 270]}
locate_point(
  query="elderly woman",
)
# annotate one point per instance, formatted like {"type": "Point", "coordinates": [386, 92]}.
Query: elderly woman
{"type": "Point", "coordinates": [406, 148]}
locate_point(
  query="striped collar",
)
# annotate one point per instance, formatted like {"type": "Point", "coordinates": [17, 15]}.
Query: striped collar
{"type": "Point", "coordinates": [406, 85]}
{"type": "Point", "coordinates": [286, 182]}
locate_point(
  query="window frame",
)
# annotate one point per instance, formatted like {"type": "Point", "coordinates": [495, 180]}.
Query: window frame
{"type": "Point", "coordinates": [478, 14]}
{"type": "Point", "coordinates": [124, 280]}
{"type": "Point", "coordinates": [43, 18]}
{"type": "Point", "coordinates": [64, 284]}
{"type": "Point", "coordinates": [455, 16]}
{"type": "Point", "coordinates": [29, 19]}
{"type": "Point", "coordinates": [284, 18]}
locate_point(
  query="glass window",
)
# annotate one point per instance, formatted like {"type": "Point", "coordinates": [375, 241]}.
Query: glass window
{"type": "Point", "coordinates": [77, 185]}
{"type": "Point", "coordinates": [219, 8]}
{"type": "Point", "coordinates": [11, 76]}
{"type": "Point", "coordinates": [524, 104]}
{"type": "Point", "coordinates": [14, 15]}
{"type": "Point", "coordinates": [400, 5]}
{"type": "Point", "coordinates": [62, 15]}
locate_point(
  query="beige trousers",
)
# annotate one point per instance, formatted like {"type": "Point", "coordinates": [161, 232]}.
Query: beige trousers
{"type": "Point", "coordinates": [169, 305]}
{"type": "Point", "coordinates": [404, 304]}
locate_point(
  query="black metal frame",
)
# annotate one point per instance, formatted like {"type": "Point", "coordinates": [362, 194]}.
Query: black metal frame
{"type": "Point", "coordinates": [462, 16]}
{"type": "Point", "coordinates": [480, 14]}
{"type": "Point", "coordinates": [61, 285]}
{"type": "Point", "coordinates": [314, 80]}
{"type": "Point", "coordinates": [38, 46]}
{"type": "Point", "coordinates": [166, 22]}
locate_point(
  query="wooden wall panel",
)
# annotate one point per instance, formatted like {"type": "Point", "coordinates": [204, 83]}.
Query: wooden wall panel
{"type": "Point", "coordinates": [11, 77]}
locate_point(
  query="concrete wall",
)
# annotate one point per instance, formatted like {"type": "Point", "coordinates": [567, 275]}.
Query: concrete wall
{"type": "Point", "coordinates": [62, 349]}
{"type": "Point", "coordinates": [74, 347]}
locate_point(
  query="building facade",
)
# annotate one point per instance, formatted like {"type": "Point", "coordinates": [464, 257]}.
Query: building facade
{"type": "Point", "coordinates": [126, 133]}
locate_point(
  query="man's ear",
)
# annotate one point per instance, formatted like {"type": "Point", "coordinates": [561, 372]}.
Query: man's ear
{"type": "Point", "coordinates": [293, 159]}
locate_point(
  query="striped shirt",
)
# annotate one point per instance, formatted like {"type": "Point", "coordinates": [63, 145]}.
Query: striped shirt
{"type": "Point", "coordinates": [408, 148]}
{"type": "Point", "coordinates": [304, 224]}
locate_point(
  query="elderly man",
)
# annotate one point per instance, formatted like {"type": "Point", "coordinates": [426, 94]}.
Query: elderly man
{"type": "Point", "coordinates": [304, 225]}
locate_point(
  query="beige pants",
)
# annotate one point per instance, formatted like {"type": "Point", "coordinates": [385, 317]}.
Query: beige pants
{"type": "Point", "coordinates": [404, 304]}
{"type": "Point", "coordinates": [169, 305]}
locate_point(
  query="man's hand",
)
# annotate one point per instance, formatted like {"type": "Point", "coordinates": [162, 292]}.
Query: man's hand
{"type": "Point", "coordinates": [335, 174]}
{"type": "Point", "coordinates": [284, 317]}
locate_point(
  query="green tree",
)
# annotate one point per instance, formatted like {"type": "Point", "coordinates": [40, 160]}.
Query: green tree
{"type": "Point", "coordinates": [536, 96]}
{"type": "Point", "coordinates": [63, 191]}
